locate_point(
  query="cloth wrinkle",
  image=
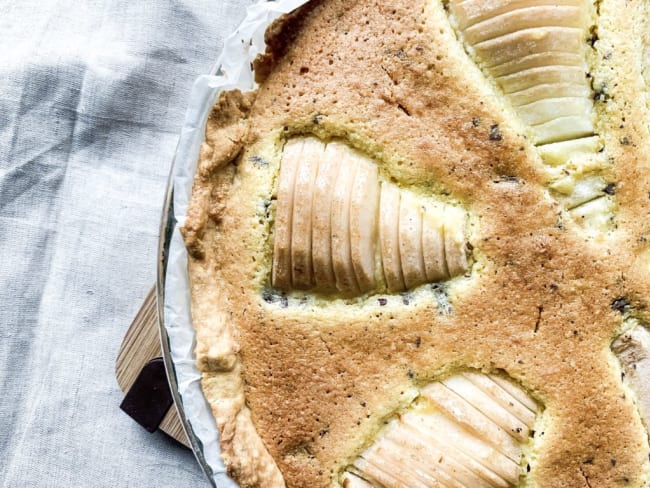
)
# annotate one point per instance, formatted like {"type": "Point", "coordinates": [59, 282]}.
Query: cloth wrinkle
{"type": "Point", "coordinates": [93, 97]}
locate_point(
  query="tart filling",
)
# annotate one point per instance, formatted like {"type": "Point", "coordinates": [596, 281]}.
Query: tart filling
{"type": "Point", "coordinates": [419, 202]}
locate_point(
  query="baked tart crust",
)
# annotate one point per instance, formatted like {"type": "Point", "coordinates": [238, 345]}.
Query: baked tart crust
{"type": "Point", "coordinates": [302, 380]}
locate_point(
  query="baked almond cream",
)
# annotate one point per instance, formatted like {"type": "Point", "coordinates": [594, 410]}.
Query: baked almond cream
{"type": "Point", "coordinates": [419, 250]}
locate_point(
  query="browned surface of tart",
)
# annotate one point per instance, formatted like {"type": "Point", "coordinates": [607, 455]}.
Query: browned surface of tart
{"type": "Point", "coordinates": [300, 382]}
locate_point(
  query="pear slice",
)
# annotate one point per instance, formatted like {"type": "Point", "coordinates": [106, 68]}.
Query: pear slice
{"type": "Point", "coordinates": [559, 153]}
{"type": "Point", "coordinates": [540, 75]}
{"type": "Point", "coordinates": [384, 474]}
{"type": "Point", "coordinates": [419, 460]}
{"type": "Point", "coordinates": [552, 90]}
{"type": "Point", "coordinates": [406, 460]}
{"type": "Point", "coordinates": [351, 480]}
{"type": "Point", "coordinates": [535, 60]}
{"type": "Point", "coordinates": [432, 459]}
{"type": "Point", "coordinates": [364, 204]}
{"type": "Point", "coordinates": [632, 348]}
{"type": "Point", "coordinates": [586, 189]}
{"type": "Point", "coordinates": [527, 41]}
{"type": "Point", "coordinates": [502, 397]}
{"type": "Point", "coordinates": [389, 210]}
{"type": "Point", "coordinates": [550, 108]}
{"type": "Point", "coordinates": [301, 252]}
{"type": "Point", "coordinates": [410, 240]}
{"type": "Point", "coordinates": [461, 411]}
{"type": "Point", "coordinates": [321, 218]}
{"type": "Point", "coordinates": [457, 434]}
{"type": "Point", "coordinates": [455, 244]}
{"type": "Point", "coordinates": [451, 433]}
{"type": "Point", "coordinates": [488, 407]}
{"type": "Point", "coordinates": [563, 128]}
{"type": "Point", "coordinates": [595, 215]}
{"type": "Point", "coordinates": [417, 427]}
{"type": "Point", "coordinates": [433, 243]}
{"type": "Point", "coordinates": [515, 391]}
{"type": "Point", "coordinates": [524, 18]}
{"type": "Point", "coordinates": [340, 222]}
{"type": "Point", "coordinates": [469, 12]}
{"type": "Point", "coordinates": [291, 157]}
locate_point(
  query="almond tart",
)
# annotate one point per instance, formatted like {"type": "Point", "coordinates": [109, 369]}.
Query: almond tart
{"type": "Point", "coordinates": [419, 250]}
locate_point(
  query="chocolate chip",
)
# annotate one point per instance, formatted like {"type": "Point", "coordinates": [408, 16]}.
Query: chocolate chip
{"type": "Point", "coordinates": [495, 133]}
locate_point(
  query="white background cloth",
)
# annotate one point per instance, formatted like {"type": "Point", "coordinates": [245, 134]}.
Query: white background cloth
{"type": "Point", "coordinates": [92, 98]}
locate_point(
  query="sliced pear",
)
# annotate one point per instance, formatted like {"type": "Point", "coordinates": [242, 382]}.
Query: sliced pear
{"type": "Point", "coordinates": [502, 397]}
{"type": "Point", "coordinates": [515, 391]}
{"type": "Point", "coordinates": [488, 407]}
{"type": "Point", "coordinates": [461, 411]}
{"type": "Point", "coordinates": [524, 18]}
{"type": "Point", "coordinates": [430, 458]}
{"type": "Point", "coordinates": [560, 152]}
{"type": "Point", "coordinates": [563, 128]}
{"type": "Point", "coordinates": [527, 41]}
{"type": "Point", "coordinates": [633, 351]}
{"type": "Point", "coordinates": [457, 434]}
{"type": "Point", "coordinates": [321, 218]}
{"type": "Point", "coordinates": [552, 58]}
{"type": "Point", "coordinates": [363, 223]}
{"type": "Point", "coordinates": [585, 190]}
{"type": "Point", "coordinates": [389, 237]}
{"type": "Point", "coordinates": [384, 474]}
{"type": "Point", "coordinates": [405, 459]}
{"type": "Point", "coordinates": [340, 222]}
{"type": "Point", "coordinates": [550, 108]}
{"type": "Point", "coordinates": [351, 480]}
{"type": "Point", "coordinates": [301, 253]}
{"type": "Point", "coordinates": [410, 240]}
{"type": "Point", "coordinates": [553, 90]}
{"type": "Point", "coordinates": [470, 12]}
{"type": "Point", "coordinates": [540, 75]}
{"type": "Point", "coordinates": [291, 157]}
{"type": "Point", "coordinates": [434, 434]}
{"type": "Point", "coordinates": [452, 434]}
{"type": "Point", "coordinates": [433, 243]}
{"type": "Point", "coordinates": [455, 244]}
{"type": "Point", "coordinates": [595, 215]}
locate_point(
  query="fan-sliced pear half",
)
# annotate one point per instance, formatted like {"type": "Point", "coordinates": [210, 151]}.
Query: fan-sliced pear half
{"type": "Point", "coordinates": [466, 431]}
{"type": "Point", "coordinates": [332, 209]}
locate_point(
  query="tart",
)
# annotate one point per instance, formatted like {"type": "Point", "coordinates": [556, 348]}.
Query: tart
{"type": "Point", "coordinates": [419, 250]}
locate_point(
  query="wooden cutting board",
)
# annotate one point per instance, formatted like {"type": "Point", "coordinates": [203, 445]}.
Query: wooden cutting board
{"type": "Point", "coordinates": [140, 345]}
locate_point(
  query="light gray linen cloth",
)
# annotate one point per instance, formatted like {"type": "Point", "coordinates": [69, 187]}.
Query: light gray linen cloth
{"type": "Point", "coordinates": [92, 99]}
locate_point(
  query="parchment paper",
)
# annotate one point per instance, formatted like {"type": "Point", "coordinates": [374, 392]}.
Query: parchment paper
{"type": "Point", "coordinates": [232, 70]}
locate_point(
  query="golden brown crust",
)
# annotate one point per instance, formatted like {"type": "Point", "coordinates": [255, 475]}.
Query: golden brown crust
{"type": "Point", "coordinates": [543, 301]}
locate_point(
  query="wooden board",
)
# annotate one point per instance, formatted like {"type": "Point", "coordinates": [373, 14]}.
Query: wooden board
{"type": "Point", "coordinates": [140, 345]}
